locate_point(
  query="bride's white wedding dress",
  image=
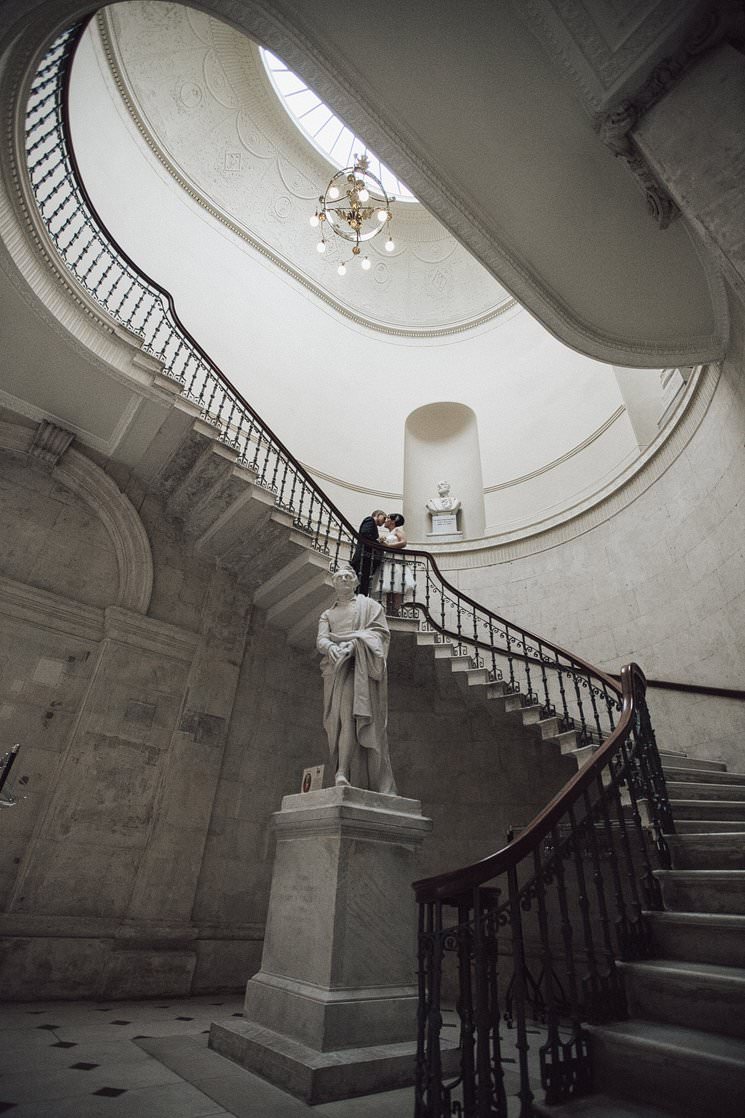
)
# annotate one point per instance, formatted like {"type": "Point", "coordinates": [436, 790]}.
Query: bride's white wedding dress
{"type": "Point", "coordinates": [395, 577]}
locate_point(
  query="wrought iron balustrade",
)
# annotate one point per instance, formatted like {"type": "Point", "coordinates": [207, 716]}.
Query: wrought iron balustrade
{"type": "Point", "coordinates": [534, 932]}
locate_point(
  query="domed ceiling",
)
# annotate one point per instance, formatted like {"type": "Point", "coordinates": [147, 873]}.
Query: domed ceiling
{"type": "Point", "coordinates": [202, 99]}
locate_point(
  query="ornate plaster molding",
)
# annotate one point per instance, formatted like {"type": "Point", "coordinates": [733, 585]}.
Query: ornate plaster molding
{"type": "Point", "coordinates": [616, 126]}
{"type": "Point", "coordinates": [102, 495]}
{"type": "Point", "coordinates": [50, 443]}
{"type": "Point", "coordinates": [187, 184]}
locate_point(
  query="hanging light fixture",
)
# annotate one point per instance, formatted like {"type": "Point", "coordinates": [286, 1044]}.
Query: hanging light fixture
{"type": "Point", "coordinates": [355, 207]}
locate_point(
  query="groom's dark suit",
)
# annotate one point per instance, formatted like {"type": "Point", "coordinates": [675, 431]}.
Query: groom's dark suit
{"type": "Point", "coordinates": [365, 559]}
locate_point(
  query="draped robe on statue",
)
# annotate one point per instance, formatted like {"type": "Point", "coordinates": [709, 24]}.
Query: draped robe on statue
{"type": "Point", "coordinates": [355, 692]}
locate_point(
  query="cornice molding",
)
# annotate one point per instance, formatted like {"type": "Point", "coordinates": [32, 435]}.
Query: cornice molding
{"type": "Point", "coordinates": [170, 641]}
{"type": "Point", "coordinates": [45, 610]}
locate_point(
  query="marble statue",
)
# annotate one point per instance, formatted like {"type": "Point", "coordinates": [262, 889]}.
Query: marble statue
{"type": "Point", "coordinates": [353, 638]}
{"type": "Point", "coordinates": [443, 502]}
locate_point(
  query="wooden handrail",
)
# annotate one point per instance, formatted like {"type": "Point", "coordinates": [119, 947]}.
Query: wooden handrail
{"type": "Point", "coordinates": [457, 882]}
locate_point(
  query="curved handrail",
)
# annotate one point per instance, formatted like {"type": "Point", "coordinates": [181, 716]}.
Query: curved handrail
{"type": "Point", "coordinates": [582, 697]}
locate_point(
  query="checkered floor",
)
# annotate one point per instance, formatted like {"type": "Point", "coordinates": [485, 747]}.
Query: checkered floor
{"type": "Point", "coordinates": [145, 1059]}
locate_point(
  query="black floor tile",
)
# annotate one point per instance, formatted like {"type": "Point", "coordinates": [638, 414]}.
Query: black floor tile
{"type": "Point", "coordinates": [162, 1007]}
{"type": "Point", "coordinates": [50, 1027]}
{"type": "Point", "coordinates": [121, 1022]}
{"type": "Point", "coordinates": [82, 1066]}
{"type": "Point", "coordinates": [34, 1013]}
{"type": "Point", "coordinates": [236, 1015]}
{"type": "Point", "coordinates": [183, 1018]}
{"type": "Point", "coordinates": [7, 1106]}
{"type": "Point", "coordinates": [217, 1003]}
{"type": "Point", "coordinates": [142, 1036]}
{"type": "Point", "coordinates": [64, 1044]}
{"type": "Point", "coordinates": [110, 1092]}
{"type": "Point", "coordinates": [104, 1008]}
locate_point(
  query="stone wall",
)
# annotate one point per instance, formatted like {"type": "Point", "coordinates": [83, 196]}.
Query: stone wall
{"type": "Point", "coordinates": [662, 583]}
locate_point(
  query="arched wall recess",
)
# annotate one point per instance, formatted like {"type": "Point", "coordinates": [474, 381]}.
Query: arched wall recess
{"type": "Point", "coordinates": [124, 527]}
{"type": "Point", "coordinates": [442, 444]}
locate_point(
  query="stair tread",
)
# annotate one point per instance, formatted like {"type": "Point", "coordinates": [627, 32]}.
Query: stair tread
{"type": "Point", "coordinates": [715, 972]}
{"type": "Point", "coordinates": [712, 919]}
{"type": "Point", "coordinates": [716, 875]}
{"type": "Point", "coordinates": [713, 777]}
{"type": "Point", "coordinates": [602, 1106]}
{"type": "Point", "coordinates": [697, 1044]}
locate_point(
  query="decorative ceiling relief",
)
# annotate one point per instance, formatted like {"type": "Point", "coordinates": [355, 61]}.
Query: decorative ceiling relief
{"type": "Point", "coordinates": [203, 102]}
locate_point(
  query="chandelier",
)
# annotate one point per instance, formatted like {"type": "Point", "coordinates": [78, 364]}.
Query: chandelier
{"type": "Point", "coordinates": [355, 207]}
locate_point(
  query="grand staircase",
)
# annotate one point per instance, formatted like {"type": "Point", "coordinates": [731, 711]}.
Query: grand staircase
{"type": "Point", "coordinates": [244, 502]}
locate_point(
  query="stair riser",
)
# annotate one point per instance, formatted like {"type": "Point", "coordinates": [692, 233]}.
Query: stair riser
{"type": "Point", "coordinates": [688, 790]}
{"type": "Point", "coordinates": [699, 944]}
{"type": "Point", "coordinates": [708, 809]}
{"type": "Point", "coordinates": [708, 852]}
{"type": "Point", "coordinates": [679, 775]}
{"type": "Point", "coordinates": [707, 895]}
{"type": "Point", "coordinates": [695, 1003]}
{"type": "Point", "coordinates": [695, 763]}
{"type": "Point", "coordinates": [704, 826]}
{"type": "Point", "coordinates": [658, 1076]}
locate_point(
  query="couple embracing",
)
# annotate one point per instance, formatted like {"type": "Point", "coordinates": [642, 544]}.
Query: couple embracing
{"type": "Point", "coordinates": [375, 572]}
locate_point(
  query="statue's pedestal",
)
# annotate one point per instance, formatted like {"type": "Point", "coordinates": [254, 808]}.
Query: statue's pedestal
{"type": "Point", "coordinates": [332, 1012]}
{"type": "Point", "coordinates": [444, 528]}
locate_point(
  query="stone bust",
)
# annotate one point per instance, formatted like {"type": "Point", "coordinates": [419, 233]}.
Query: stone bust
{"type": "Point", "coordinates": [443, 502]}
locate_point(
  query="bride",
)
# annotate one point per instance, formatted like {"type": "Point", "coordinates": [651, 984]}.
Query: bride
{"type": "Point", "coordinates": [395, 578]}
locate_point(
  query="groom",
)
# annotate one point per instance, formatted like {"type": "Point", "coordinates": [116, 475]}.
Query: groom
{"type": "Point", "coordinates": [365, 561]}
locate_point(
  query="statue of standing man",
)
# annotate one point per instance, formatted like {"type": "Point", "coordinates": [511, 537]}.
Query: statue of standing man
{"type": "Point", "coordinates": [353, 639]}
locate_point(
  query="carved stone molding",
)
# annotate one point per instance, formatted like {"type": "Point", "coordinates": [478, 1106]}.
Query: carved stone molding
{"type": "Point", "coordinates": [170, 641]}
{"type": "Point", "coordinates": [50, 611]}
{"type": "Point", "coordinates": [616, 126]}
{"type": "Point", "coordinates": [131, 544]}
{"type": "Point", "coordinates": [50, 443]}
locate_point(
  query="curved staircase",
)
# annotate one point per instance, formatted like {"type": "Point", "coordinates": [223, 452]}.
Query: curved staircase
{"type": "Point", "coordinates": [617, 916]}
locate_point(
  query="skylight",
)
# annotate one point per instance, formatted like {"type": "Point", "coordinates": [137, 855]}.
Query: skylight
{"type": "Point", "coordinates": [322, 127]}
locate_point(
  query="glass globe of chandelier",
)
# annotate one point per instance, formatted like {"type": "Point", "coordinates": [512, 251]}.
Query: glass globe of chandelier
{"type": "Point", "coordinates": [355, 207]}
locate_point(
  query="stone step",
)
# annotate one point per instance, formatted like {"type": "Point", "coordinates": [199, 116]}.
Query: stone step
{"type": "Point", "coordinates": [431, 639]}
{"type": "Point", "coordinates": [708, 851]}
{"type": "Point", "coordinates": [600, 1106]}
{"type": "Point", "coordinates": [315, 594]}
{"type": "Point", "coordinates": [291, 577]}
{"type": "Point", "coordinates": [703, 890]}
{"type": "Point", "coordinates": [698, 790]}
{"type": "Point", "coordinates": [681, 761]}
{"type": "Point", "coordinates": [694, 808]}
{"type": "Point", "coordinates": [705, 996]}
{"type": "Point", "coordinates": [705, 937]}
{"type": "Point", "coordinates": [677, 775]}
{"type": "Point", "coordinates": [696, 1074]}
{"type": "Point", "coordinates": [567, 741]}
{"type": "Point", "coordinates": [707, 826]}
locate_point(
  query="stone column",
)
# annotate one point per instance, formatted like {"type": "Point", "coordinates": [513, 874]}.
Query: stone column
{"type": "Point", "coordinates": [332, 1012]}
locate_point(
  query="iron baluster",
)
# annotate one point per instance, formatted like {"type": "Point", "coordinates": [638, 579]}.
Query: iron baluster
{"type": "Point", "coordinates": [584, 737]}
{"type": "Point", "coordinates": [510, 661]}
{"type": "Point", "coordinates": [565, 722]}
{"type": "Point", "coordinates": [634, 785]}
{"type": "Point", "coordinates": [612, 1002]}
{"type": "Point", "coordinates": [590, 980]}
{"type": "Point", "coordinates": [465, 938]}
{"type": "Point", "coordinates": [550, 1051]}
{"type": "Point", "coordinates": [596, 716]}
{"type": "Point", "coordinates": [525, 1093]}
{"type": "Point", "coordinates": [621, 922]}
{"type": "Point", "coordinates": [547, 709]}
